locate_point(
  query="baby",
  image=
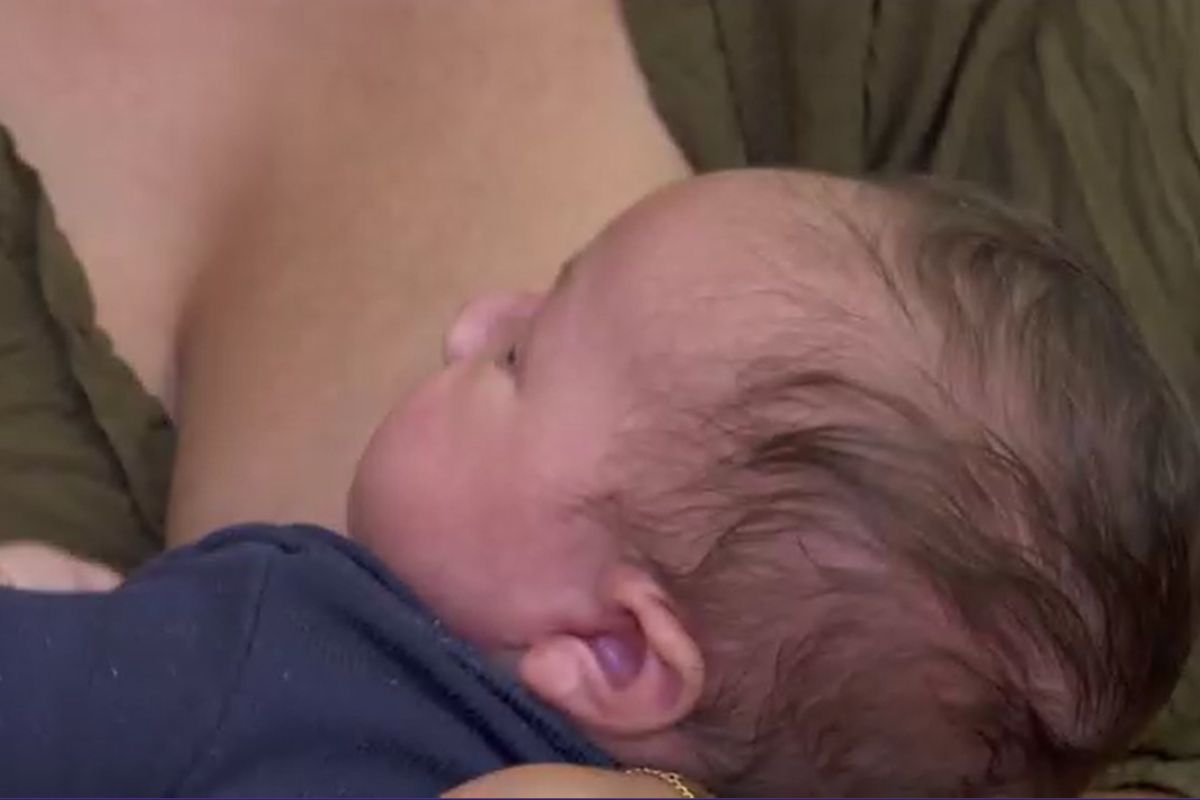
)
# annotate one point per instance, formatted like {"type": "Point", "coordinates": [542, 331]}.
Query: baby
{"type": "Point", "coordinates": [801, 485]}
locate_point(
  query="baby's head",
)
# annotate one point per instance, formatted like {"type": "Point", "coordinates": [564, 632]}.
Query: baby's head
{"type": "Point", "coordinates": [804, 485]}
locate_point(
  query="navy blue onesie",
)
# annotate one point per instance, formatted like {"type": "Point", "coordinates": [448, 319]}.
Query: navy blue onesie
{"type": "Point", "coordinates": [262, 661]}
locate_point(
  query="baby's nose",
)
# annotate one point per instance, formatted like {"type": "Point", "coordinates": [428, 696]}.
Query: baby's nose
{"type": "Point", "coordinates": [488, 323]}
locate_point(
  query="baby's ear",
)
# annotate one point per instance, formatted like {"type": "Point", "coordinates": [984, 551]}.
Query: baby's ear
{"type": "Point", "coordinates": [638, 674]}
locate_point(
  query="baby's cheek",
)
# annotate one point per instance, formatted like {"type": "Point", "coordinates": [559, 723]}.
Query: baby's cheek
{"type": "Point", "coordinates": [390, 516]}
{"type": "Point", "coordinates": [407, 501]}
{"type": "Point", "coordinates": [377, 497]}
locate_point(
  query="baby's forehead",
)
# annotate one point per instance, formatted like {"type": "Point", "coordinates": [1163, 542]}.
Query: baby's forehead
{"type": "Point", "coordinates": [749, 229]}
{"type": "Point", "coordinates": [723, 260]}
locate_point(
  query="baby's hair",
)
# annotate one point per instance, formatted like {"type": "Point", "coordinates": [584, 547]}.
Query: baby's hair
{"type": "Point", "coordinates": [979, 585]}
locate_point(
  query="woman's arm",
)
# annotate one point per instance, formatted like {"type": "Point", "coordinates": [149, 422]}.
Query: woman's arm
{"type": "Point", "coordinates": [567, 780]}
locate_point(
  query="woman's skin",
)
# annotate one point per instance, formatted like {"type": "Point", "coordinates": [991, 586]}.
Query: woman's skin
{"type": "Point", "coordinates": [280, 205]}
{"type": "Point", "coordinates": [564, 780]}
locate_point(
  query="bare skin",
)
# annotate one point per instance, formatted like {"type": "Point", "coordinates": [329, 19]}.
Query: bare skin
{"type": "Point", "coordinates": [567, 780]}
{"type": "Point", "coordinates": [324, 184]}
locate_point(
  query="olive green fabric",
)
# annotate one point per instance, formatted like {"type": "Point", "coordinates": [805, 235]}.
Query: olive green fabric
{"type": "Point", "coordinates": [85, 453]}
{"type": "Point", "coordinates": [1087, 112]}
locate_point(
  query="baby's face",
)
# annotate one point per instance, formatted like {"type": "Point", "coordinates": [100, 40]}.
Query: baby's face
{"type": "Point", "coordinates": [467, 489]}
{"type": "Point", "coordinates": [470, 490]}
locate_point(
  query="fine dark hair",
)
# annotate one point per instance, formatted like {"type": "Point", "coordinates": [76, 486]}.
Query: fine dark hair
{"type": "Point", "coordinates": [974, 583]}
